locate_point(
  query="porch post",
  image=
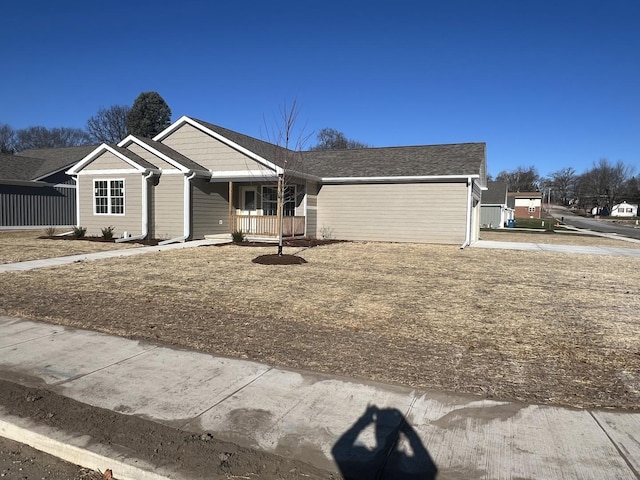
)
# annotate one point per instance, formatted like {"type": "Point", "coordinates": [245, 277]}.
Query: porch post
{"type": "Point", "coordinates": [230, 206]}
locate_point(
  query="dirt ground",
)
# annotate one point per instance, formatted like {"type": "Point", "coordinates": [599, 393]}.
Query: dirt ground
{"type": "Point", "coordinates": [20, 461]}
{"type": "Point", "coordinates": [530, 326]}
{"type": "Point", "coordinates": [188, 455]}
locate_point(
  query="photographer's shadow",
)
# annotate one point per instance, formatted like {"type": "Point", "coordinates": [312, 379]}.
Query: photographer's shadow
{"type": "Point", "coordinates": [388, 458]}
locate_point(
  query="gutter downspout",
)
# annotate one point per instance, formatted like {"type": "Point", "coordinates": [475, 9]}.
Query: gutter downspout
{"type": "Point", "coordinates": [75, 179]}
{"type": "Point", "coordinates": [186, 212]}
{"type": "Point", "coordinates": [145, 212]}
{"type": "Point", "coordinates": [467, 238]}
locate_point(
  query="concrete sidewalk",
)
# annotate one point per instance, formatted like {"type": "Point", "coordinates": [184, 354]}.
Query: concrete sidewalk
{"type": "Point", "coordinates": [555, 248]}
{"type": "Point", "coordinates": [89, 257]}
{"type": "Point", "coordinates": [306, 415]}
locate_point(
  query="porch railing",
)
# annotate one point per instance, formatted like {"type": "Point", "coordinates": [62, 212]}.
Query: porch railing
{"type": "Point", "coordinates": [267, 225]}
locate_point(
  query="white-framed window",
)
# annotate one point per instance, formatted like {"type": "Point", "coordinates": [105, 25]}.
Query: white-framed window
{"type": "Point", "coordinates": [270, 201]}
{"type": "Point", "coordinates": [532, 209]}
{"type": "Point", "coordinates": [108, 197]}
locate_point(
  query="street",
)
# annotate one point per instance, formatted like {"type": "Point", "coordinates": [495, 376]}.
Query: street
{"type": "Point", "coordinates": [595, 225]}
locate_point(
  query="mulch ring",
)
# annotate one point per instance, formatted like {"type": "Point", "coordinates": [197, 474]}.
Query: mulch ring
{"type": "Point", "coordinates": [275, 259]}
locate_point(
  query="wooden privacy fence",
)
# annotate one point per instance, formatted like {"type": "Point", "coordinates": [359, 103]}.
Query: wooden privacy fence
{"type": "Point", "coordinates": [267, 225]}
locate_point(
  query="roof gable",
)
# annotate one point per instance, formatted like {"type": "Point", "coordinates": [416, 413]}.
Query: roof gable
{"type": "Point", "coordinates": [128, 157]}
{"type": "Point", "coordinates": [164, 152]}
{"type": "Point", "coordinates": [262, 152]}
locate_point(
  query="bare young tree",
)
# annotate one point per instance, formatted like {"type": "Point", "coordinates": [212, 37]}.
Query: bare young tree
{"type": "Point", "coordinates": [289, 141]}
{"type": "Point", "coordinates": [109, 125]}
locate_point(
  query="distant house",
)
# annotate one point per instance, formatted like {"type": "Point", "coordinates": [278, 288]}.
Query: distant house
{"type": "Point", "coordinates": [494, 209]}
{"type": "Point", "coordinates": [624, 209]}
{"type": "Point", "coordinates": [526, 204]}
{"type": "Point", "coordinates": [196, 179]}
{"type": "Point", "coordinates": [35, 191]}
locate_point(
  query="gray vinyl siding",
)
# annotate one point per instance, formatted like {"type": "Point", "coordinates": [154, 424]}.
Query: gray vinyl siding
{"type": "Point", "coordinates": [167, 207]}
{"type": "Point", "coordinates": [150, 157]}
{"type": "Point", "coordinates": [130, 222]}
{"type": "Point", "coordinates": [209, 152]}
{"type": "Point", "coordinates": [312, 210]}
{"type": "Point", "coordinates": [490, 216]}
{"type": "Point", "coordinates": [210, 208]}
{"type": "Point", "coordinates": [107, 161]}
{"type": "Point", "coordinates": [414, 212]}
{"type": "Point", "coordinates": [35, 206]}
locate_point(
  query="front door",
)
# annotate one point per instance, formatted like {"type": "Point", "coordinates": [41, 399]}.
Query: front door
{"type": "Point", "coordinates": [248, 201]}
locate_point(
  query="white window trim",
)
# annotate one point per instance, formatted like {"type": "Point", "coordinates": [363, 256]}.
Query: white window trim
{"type": "Point", "coordinates": [295, 197]}
{"type": "Point", "coordinates": [109, 204]}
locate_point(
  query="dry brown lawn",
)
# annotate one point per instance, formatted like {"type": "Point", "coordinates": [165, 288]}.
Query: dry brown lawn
{"type": "Point", "coordinates": [20, 246]}
{"type": "Point", "coordinates": [531, 326]}
{"type": "Point", "coordinates": [557, 238]}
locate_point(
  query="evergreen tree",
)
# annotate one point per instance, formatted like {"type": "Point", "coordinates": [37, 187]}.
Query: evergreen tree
{"type": "Point", "coordinates": [149, 115]}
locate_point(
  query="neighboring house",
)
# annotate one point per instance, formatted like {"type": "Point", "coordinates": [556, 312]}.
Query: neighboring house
{"type": "Point", "coordinates": [196, 179]}
{"type": "Point", "coordinates": [494, 211]}
{"type": "Point", "coordinates": [624, 209]}
{"type": "Point", "coordinates": [526, 204]}
{"type": "Point", "coordinates": [35, 191]}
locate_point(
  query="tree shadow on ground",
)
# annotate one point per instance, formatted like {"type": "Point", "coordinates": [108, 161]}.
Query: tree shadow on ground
{"type": "Point", "coordinates": [398, 454]}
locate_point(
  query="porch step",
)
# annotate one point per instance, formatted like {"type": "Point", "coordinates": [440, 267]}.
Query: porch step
{"type": "Point", "coordinates": [218, 236]}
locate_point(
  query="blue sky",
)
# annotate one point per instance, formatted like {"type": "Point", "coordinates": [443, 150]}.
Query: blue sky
{"type": "Point", "coordinates": [546, 83]}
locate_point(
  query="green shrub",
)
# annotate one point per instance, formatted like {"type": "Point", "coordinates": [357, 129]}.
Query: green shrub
{"type": "Point", "coordinates": [107, 232]}
{"type": "Point", "coordinates": [50, 231]}
{"type": "Point", "coordinates": [79, 232]}
{"type": "Point", "coordinates": [238, 236]}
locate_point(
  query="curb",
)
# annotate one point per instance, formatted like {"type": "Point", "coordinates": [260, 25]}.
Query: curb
{"type": "Point", "coordinates": [66, 447]}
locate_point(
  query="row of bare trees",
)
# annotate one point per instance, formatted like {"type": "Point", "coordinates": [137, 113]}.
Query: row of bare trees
{"type": "Point", "coordinates": [149, 115]}
{"type": "Point", "coordinates": [603, 185]}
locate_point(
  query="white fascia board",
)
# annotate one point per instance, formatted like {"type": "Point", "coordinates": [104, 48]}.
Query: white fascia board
{"type": "Point", "coordinates": [101, 149]}
{"type": "Point", "coordinates": [119, 171]}
{"type": "Point", "coordinates": [242, 175]}
{"type": "Point", "coordinates": [398, 179]}
{"type": "Point", "coordinates": [184, 119]}
{"type": "Point", "coordinates": [131, 139]}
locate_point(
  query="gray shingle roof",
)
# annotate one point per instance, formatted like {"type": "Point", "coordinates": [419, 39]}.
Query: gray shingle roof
{"type": "Point", "coordinates": [14, 167]}
{"type": "Point", "coordinates": [496, 194]}
{"type": "Point", "coordinates": [172, 154]}
{"type": "Point", "coordinates": [426, 160]}
{"type": "Point", "coordinates": [56, 159]}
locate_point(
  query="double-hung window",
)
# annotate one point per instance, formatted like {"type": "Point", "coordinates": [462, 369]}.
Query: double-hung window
{"type": "Point", "coordinates": [108, 197]}
{"type": "Point", "coordinates": [270, 201]}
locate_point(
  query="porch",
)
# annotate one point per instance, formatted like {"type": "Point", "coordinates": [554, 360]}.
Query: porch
{"type": "Point", "coordinates": [267, 225]}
